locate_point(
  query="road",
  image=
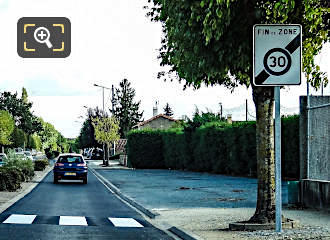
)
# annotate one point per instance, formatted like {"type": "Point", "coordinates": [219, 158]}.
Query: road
{"type": "Point", "coordinates": [71, 210]}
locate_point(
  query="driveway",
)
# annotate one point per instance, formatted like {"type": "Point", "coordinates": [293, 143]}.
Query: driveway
{"type": "Point", "coordinates": [157, 189]}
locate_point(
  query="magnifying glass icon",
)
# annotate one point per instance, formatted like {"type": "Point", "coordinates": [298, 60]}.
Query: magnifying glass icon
{"type": "Point", "coordinates": [42, 35]}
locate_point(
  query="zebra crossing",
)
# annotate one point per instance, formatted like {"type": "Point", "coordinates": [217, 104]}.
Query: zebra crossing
{"type": "Point", "coordinates": [74, 221]}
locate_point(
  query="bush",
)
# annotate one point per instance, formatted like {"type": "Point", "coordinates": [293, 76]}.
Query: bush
{"type": "Point", "coordinates": [10, 178]}
{"type": "Point", "coordinates": [40, 165]}
{"type": "Point", "coordinates": [25, 166]}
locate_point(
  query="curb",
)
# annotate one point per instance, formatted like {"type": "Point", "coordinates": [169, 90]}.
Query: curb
{"type": "Point", "coordinates": [182, 234]}
{"type": "Point", "coordinates": [18, 197]}
{"type": "Point", "coordinates": [116, 190]}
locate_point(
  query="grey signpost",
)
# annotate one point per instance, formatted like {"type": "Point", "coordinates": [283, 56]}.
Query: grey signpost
{"type": "Point", "coordinates": [277, 62]}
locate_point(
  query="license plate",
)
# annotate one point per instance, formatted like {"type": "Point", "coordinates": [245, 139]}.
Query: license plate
{"type": "Point", "coordinates": [69, 174]}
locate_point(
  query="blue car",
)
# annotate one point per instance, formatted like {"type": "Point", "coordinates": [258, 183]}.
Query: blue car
{"type": "Point", "coordinates": [70, 166]}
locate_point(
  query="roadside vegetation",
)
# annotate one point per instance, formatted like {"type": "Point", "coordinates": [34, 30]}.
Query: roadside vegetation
{"type": "Point", "coordinates": [20, 128]}
{"type": "Point", "coordinates": [17, 170]}
{"type": "Point", "coordinates": [205, 145]}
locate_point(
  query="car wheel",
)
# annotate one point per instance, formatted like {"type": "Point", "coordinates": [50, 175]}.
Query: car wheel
{"type": "Point", "coordinates": [85, 180]}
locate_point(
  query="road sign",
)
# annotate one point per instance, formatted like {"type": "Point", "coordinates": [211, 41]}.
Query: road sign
{"type": "Point", "coordinates": [277, 55]}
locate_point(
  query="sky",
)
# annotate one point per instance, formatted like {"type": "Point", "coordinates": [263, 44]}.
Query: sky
{"type": "Point", "coordinates": [111, 40]}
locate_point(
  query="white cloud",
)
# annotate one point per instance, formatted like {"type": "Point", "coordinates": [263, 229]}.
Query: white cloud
{"type": "Point", "coordinates": [111, 40]}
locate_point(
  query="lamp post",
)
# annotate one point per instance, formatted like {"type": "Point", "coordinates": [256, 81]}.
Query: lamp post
{"type": "Point", "coordinates": [103, 87]}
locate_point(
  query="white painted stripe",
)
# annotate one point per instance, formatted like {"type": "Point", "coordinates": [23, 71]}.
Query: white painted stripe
{"type": "Point", "coordinates": [20, 219]}
{"type": "Point", "coordinates": [73, 221]}
{"type": "Point", "coordinates": [125, 222]}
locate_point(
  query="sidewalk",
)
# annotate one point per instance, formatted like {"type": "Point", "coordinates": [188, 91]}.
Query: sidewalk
{"type": "Point", "coordinates": [205, 204]}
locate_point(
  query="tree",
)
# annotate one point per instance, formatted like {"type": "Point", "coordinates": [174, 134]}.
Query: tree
{"type": "Point", "coordinates": [87, 137]}
{"type": "Point", "coordinates": [19, 138]}
{"type": "Point", "coordinates": [168, 110]}
{"type": "Point", "coordinates": [106, 131]}
{"type": "Point", "coordinates": [20, 111]}
{"type": "Point", "coordinates": [24, 96]}
{"type": "Point", "coordinates": [210, 42]}
{"type": "Point", "coordinates": [34, 142]}
{"type": "Point", "coordinates": [7, 125]}
{"type": "Point", "coordinates": [126, 110]}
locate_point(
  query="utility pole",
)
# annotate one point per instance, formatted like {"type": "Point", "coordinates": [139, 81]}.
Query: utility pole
{"type": "Point", "coordinates": [246, 110]}
{"type": "Point", "coordinates": [113, 101]}
{"type": "Point", "coordinates": [103, 87]}
{"type": "Point", "coordinates": [113, 114]}
{"type": "Point", "coordinates": [220, 111]}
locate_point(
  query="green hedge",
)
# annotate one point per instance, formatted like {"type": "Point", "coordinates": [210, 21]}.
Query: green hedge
{"type": "Point", "coordinates": [40, 165]}
{"type": "Point", "coordinates": [215, 147]}
{"type": "Point", "coordinates": [145, 149]}
{"type": "Point", "coordinates": [10, 178]}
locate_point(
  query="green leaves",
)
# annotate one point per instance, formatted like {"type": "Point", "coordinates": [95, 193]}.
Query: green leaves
{"type": "Point", "coordinates": [205, 40]}
{"type": "Point", "coordinates": [6, 127]}
{"type": "Point", "coordinates": [106, 129]}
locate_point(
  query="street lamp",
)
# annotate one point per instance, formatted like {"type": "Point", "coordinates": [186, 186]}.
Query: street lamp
{"type": "Point", "coordinates": [103, 87]}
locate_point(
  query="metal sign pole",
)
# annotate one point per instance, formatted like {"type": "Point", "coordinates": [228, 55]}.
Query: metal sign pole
{"type": "Point", "coordinates": [278, 185]}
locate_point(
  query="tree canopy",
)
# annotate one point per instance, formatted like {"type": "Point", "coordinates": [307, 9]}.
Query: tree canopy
{"type": "Point", "coordinates": [210, 41]}
{"type": "Point", "coordinates": [7, 125]}
{"type": "Point", "coordinates": [21, 112]}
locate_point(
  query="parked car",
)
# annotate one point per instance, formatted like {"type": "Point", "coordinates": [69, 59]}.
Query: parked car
{"type": "Point", "coordinates": [3, 158]}
{"type": "Point", "coordinates": [18, 149]}
{"type": "Point", "coordinates": [28, 155]}
{"type": "Point", "coordinates": [70, 166]}
{"type": "Point", "coordinates": [97, 154]}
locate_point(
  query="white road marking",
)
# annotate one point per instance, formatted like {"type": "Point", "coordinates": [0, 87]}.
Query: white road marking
{"type": "Point", "coordinates": [125, 222]}
{"type": "Point", "coordinates": [73, 221]}
{"type": "Point", "coordinates": [20, 219]}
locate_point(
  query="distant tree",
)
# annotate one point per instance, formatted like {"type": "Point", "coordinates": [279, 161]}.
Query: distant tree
{"type": "Point", "coordinates": [21, 112]}
{"type": "Point", "coordinates": [106, 131]}
{"type": "Point", "coordinates": [127, 111]}
{"type": "Point", "coordinates": [24, 96]}
{"type": "Point", "coordinates": [86, 137]}
{"type": "Point", "coordinates": [34, 142]}
{"type": "Point", "coordinates": [7, 125]}
{"type": "Point", "coordinates": [168, 110]}
{"type": "Point", "coordinates": [19, 138]}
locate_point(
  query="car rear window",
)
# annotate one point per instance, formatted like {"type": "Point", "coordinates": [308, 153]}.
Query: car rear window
{"type": "Point", "coordinates": [70, 159]}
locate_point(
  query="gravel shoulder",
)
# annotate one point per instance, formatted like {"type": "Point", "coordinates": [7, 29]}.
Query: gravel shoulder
{"type": "Point", "coordinates": [9, 198]}
{"type": "Point", "coordinates": [212, 223]}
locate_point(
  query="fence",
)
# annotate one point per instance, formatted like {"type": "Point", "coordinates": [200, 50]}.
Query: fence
{"type": "Point", "coordinates": [315, 151]}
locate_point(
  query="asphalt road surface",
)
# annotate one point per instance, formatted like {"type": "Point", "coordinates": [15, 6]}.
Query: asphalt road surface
{"type": "Point", "coordinates": [72, 210]}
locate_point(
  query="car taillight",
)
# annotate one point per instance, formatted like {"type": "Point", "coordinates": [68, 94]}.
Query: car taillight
{"type": "Point", "coordinates": [81, 165]}
{"type": "Point", "coordinates": [59, 164]}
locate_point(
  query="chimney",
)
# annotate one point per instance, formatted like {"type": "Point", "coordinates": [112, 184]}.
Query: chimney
{"type": "Point", "coordinates": [155, 110]}
{"type": "Point", "coordinates": [229, 120]}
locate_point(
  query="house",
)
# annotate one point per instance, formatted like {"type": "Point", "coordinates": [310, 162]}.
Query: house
{"type": "Point", "coordinates": [160, 121]}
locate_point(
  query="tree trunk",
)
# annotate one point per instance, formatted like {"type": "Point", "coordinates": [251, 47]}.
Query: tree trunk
{"type": "Point", "coordinates": [263, 98]}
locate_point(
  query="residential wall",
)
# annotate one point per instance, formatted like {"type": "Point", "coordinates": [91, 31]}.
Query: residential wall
{"type": "Point", "coordinates": [158, 123]}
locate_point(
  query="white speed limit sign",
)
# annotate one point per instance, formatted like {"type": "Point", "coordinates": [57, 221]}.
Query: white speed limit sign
{"type": "Point", "coordinates": [277, 55]}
